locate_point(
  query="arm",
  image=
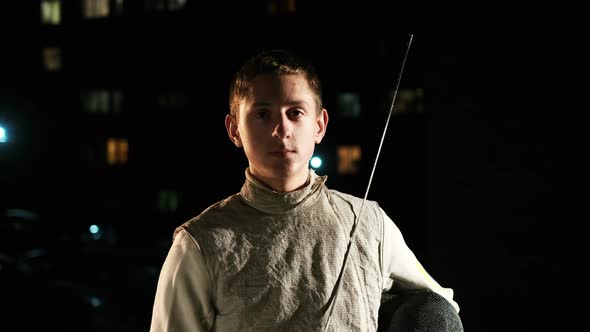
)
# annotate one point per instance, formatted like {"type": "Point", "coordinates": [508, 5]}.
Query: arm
{"type": "Point", "coordinates": [401, 268]}
{"type": "Point", "coordinates": [183, 299]}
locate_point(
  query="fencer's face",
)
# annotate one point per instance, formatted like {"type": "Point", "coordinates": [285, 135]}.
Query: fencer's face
{"type": "Point", "coordinates": [278, 126]}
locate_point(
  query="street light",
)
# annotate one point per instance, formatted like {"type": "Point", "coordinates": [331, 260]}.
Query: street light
{"type": "Point", "coordinates": [3, 135]}
{"type": "Point", "coordinates": [315, 162]}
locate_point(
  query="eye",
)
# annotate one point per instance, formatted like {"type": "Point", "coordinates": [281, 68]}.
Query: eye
{"type": "Point", "coordinates": [261, 113]}
{"type": "Point", "coordinates": [295, 113]}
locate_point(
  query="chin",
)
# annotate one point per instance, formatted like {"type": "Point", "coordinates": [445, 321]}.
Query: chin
{"type": "Point", "coordinates": [287, 170]}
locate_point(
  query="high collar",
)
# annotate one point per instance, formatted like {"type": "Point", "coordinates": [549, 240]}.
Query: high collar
{"type": "Point", "coordinates": [261, 197]}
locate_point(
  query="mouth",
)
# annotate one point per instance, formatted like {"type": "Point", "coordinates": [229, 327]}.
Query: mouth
{"type": "Point", "coordinates": [282, 152]}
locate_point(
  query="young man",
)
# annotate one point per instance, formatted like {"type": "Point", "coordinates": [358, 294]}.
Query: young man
{"type": "Point", "coordinates": [268, 257]}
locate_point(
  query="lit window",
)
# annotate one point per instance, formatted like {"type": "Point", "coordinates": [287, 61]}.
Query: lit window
{"type": "Point", "coordinates": [51, 12]}
{"type": "Point", "coordinates": [349, 105]}
{"type": "Point", "coordinates": [117, 150]}
{"type": "Point", "coordinates": [96, 8]}
{"type": "Point", "coordinates": [162, 5]}
{"type": "Point", "coordinates": [102, 101]}
{"type": "Point", "coordinates": [280, 6]}
{"type": "Point", "coordinates": [95, 101]}
{"type": "Point", "coordinates": [409, 101]}
{"type": "Point", "coordinates": [169, 200]}
{"type": "Point", "coordinates": [176, 4]}
{"type": "Point", "coordinates": [119, 7]}
{"type": "Point", "coordinates": [348, 158]}
{"type": "Point", "coordinates": [52, 58]}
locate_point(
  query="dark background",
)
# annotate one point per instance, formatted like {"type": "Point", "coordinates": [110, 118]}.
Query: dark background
{"type": "Point", "coordinates": [486, 183]}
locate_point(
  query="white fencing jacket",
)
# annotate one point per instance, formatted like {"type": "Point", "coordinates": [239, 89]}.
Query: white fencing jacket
{"type": "Point", "coordinates": [261, 260]}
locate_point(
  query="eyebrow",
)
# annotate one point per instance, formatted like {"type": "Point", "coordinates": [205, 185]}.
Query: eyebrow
{"type": "Point", "coordinates": [290, 103]}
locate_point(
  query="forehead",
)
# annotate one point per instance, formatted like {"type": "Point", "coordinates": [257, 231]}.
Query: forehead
{"type": "Point", "coordinates": [281, 87]}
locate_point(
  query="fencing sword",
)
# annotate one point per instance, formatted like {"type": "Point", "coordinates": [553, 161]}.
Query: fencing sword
{"type": "Point", "coordinates": [356, 219]}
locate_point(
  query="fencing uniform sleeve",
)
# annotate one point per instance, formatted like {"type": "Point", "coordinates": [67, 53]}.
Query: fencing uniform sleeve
{"type": "Point", "coordinates": [401, 268]}
{"type": "Point", "coordinates": [183, 300]}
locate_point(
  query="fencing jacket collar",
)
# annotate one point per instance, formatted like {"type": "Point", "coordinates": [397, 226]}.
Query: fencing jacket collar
{"type": "Point", "coordinates": [261, 197]}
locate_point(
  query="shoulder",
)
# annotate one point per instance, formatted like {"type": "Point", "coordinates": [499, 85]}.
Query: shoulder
{"type": "Point", "coordinates": [355, 203]}
{"type": "Point", "coordinates": [351, 199]}
{"type": "Point", "coordinates": [344, 196]}
{"type": "Point", "coordinates": [212, 216]}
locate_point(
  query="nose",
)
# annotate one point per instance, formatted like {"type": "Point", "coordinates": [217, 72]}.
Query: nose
{"type": "Point", "coordinates": [283, 128]}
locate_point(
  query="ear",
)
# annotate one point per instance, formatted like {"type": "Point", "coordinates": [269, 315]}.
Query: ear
{"type": "Point", "coordinates": [231, 125]}
{"type": "Point", "coordinates": [322, 124]}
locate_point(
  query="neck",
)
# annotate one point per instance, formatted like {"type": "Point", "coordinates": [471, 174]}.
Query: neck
{"type": "Point", "coordinates": [283, 184]}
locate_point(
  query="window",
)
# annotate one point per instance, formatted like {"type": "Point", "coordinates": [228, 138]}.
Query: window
{"type": "Point", "coordinates": [119, 5]}
{"type": "Point", "coordinates": [409, 101]}
{"type": "Point", "coordinates": [96, 101]}
{"type": "Point", "coordinates": [52, 58]}
{"type": "Point", "coordinates": [117, 151]}
{"type": "Point", "coordinates": [155, 5]}
{"type": "Point", "coordinates": [102, 101]}
{"type": "Point", "coordinates": [116, 101]}
{"type": "Point", "coordinates": [348, 158]}
{"type": "Point", "coordinates": [163, 5]}
{"type": "Point", "coordinates": [280, 6]}
{"type": "Point", "coordinates": [349, 105]}
{"type": "Point", "coordinates": [176, 4]}
{"type": "Point", "coordinates": [169, 200]}
{"type": "Point", "coordinates": [51, 12]}
{"type": "Point", "coordinates": [96, 8]}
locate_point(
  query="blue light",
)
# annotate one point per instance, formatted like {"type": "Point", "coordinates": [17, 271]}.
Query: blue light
{"type": "Point", "coordinates": [3, 136]}
{"type": "Point", "coordinates": [316, 162]}
{"type": "Point", "coordinates": [94, 229]}
{"type": "Point", "coordinates": [95, 301]}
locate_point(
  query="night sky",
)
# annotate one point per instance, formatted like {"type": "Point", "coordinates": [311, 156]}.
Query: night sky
{"type": "Point", "coordinates": [487, 183]}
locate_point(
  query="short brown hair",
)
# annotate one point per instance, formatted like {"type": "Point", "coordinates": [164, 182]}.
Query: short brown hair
{"type": "Point", "coordinates": [279, 62]}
